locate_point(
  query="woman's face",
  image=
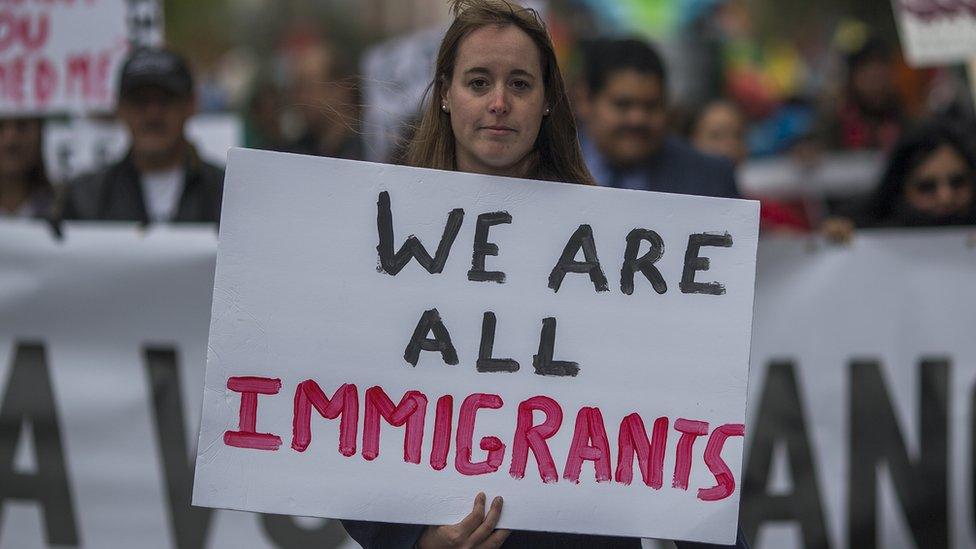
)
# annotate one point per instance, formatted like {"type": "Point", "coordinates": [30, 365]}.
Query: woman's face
{"type": "Point", "coordinates": [721, 132]}
{"type": "Point", "coordinates": [942, 185]}
{"type": "Point", "coordinates": [496, 100]}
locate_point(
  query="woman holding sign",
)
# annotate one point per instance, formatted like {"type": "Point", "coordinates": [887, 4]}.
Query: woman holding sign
{"type": "Point", "coordinates": [499, 107]}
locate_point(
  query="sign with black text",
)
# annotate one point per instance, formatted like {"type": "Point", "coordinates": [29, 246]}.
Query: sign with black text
{"type": "Point", "coordinates": [382, 330]}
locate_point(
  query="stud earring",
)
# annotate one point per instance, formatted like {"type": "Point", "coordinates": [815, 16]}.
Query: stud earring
{"type": "Point", "coordinates": [444, 107]}
{"type": "Point", "coordinates": [546, 112]}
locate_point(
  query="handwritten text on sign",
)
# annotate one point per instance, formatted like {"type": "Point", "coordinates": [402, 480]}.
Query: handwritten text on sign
{"type": "Point", "coordinates": [60, 56]}
{"type": "Point", "coordinates": [581, 351]}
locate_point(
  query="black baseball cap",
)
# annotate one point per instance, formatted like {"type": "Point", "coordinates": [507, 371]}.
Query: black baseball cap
{"type": "Point", "coordinates": [158, 68]}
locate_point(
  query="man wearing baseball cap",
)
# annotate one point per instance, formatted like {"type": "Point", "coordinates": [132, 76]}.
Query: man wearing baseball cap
{"type": "Point", "coordinates": [161, 179]}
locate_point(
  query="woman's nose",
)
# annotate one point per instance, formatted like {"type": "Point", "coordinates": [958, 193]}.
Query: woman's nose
{"type": "Point", "coordinates": [499, 102]}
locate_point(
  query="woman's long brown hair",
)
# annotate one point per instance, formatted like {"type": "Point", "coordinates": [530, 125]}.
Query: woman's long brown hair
{"type": "Point", "coordinates": [557, 155]}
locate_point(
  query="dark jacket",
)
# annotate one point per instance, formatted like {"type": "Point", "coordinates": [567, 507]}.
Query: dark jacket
{"type": "Point", "coordinates": [676, 167]}
{"type": "Point", "coordinates": [404, 536]}
{"type": "Point", "coordinates": [114, 193]}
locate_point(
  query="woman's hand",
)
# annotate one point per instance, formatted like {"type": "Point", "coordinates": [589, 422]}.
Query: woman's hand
{"type": "Point", "coordinates": [474, 531]}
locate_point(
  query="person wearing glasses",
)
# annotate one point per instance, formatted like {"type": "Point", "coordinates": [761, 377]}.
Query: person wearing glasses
{"type": "Point", "coordinates": [928, 182]}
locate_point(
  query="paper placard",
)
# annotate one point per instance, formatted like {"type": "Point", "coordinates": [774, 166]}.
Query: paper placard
{"type": "Point", "coordinates": [65, 56]}
{"type": "Point", "coordinates": [934, 32]}
{"type": "Point", "coordinates": [514, 384]}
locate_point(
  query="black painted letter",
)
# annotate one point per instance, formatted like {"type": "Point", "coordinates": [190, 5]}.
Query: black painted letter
{"type": "Point", "coordinates": [391, 263]}
{"type": "Point", "coordinates": [694, 263]}
{"type": "Point", "coordinates": [485, 362]}
{"type": "Point", "coordinates": [430, 321]}
{"type": "Point", "coordinates": [582, 238]}
{"type": "Point", "coordinates": [543, 363]}
{"type": "Point", "coordinates": [645, 264]}
{"type": "Point", "coordinates": [484, 248]}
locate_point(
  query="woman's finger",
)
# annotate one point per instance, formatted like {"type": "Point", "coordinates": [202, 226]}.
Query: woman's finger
{"type": "Point", "coordinates": [488, 525]}
{"type": "Point", "coordinates": [474, 519]}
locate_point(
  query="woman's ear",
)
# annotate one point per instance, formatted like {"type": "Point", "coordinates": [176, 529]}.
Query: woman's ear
{"type": "Point", "coordinates": [445, 98]}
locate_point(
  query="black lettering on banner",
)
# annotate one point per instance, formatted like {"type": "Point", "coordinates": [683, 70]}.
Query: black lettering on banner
{"type": "Point", "coordinates": [644, 264]}
{"type": "Point", "coordinates": [781, 420]}
{"type": "Point", "coordinates": [695, 263]}
{"type": "Point", "coordinates": [543, 363]}
{"type": "Point", "coordinates": [391, 263]}
{"type": "Point", "coordinates": [921, 485]}
{"type": "Point", "coordinates": [581, 239]}
{"type": "Point", "coordinates": [484, 248]}
{"type": "Point", "coordinates": [288, 534]}
{"type": "Point", "coordinates": [29, 397]}
{"type": "Point", "coordinates": [430, 321]}
{"type": "Point", "coordinates": [190, 525]}
{"type": "Point", "coordinates": [485, 362]}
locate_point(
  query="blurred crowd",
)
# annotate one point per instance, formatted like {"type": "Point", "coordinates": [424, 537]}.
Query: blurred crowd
{"type": "Point", "coordinates": [688, 114]}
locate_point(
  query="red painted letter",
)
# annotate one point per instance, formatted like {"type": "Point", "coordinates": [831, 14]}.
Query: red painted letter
{"type": "Point", "coordinates": [344, 402]}
{"type": "Point", "coordinates": [690, 430]}
{"type": "Point", "coordinates": [442, 432]}
{"type": "Point", "coordinates": [717, 465]}
{"type": "Point", "coordinates": [528, 435]}
{"type": "Point", "coordinates": [589, 428]}
{"type": "Point", "coordinates": [650, 457]}
{"type": "Point", "coordinates": [465, 434]}
{"type": "Point", "coordinates": [411, 411]}
{"type": "Point", "coordinates": [246, 436]}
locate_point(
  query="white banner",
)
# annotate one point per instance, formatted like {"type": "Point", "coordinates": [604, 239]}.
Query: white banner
{"type": "Point", "coordinates": [861, 397]}
{"type": "Point", "coordinates": [77, 146]}
{"type": "Point", "coordinates": [102, 346]}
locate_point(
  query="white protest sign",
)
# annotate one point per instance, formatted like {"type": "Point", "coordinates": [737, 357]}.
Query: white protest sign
{"type": "Point", "coordinates": [936, 32]}
{"type": "Point", "coordinates": [522, 327]}
{"type": "Point", "coordinates": [65, 56]}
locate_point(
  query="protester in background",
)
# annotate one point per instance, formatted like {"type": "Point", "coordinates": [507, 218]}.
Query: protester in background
{"type": "Point", "coordinates": [262, 117]}
{"type": "Point", "coordinates": [869, 114]}
{"type": "Point", "coordinates": [25, 191]}
{"type": "Point", "coordinates": [929, 181]}
{"type": "Point", "coordinates": [161, 179]}
{"type": "Point", "coordinates": [719, 128]}
{"type": "Point", "coordinates": [498, 106]}
{"type": "Point", "coordinates": [626, 143]}
{"type": "Point", "coordinates": [326, 95]}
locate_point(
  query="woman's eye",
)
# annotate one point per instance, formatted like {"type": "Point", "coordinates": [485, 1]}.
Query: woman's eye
{"type": "Point", "coordinates": [520, 85]}
{"type": "Point", "coordinates": [478, 84]}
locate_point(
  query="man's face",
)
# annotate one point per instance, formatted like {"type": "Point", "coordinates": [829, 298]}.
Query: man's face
{"type": "Point", "coordinates": [627, 119]}
{"type": "Point", "coordinates": [155, 119]}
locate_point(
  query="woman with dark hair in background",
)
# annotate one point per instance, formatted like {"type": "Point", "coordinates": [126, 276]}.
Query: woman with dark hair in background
{"type": "Point", "coordinates": [929, 181]}
{"type": "Point", "coordinates": [24, 188]}
{"type": "Point", "coordinates": [498, 107]}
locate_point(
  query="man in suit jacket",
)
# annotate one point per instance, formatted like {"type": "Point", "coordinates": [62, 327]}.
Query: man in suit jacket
{"type": "Point", "coordinates": [622, 105]}
{"type": "Point", "coordinates": [161, 179]}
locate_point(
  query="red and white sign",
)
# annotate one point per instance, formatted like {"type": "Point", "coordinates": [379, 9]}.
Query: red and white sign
{"type": "Point", "coordinates": [61, 56]}
{"type": "Point", "coordinates": [936, 32]}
